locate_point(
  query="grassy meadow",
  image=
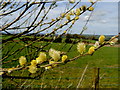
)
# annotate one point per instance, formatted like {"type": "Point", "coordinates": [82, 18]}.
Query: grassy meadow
{"type": "Point", "coordinates": [63, 76]}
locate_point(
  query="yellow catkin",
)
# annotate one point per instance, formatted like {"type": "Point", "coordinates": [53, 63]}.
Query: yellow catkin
{"type": "Point", "coordinates": [64, 58]}
{"type": "Point", "coordinates": [64, 31]}
{"type": "Point", "coordinates": [60, 25]}
{"type": "Point", "coordinates": [42, 55]}
{"type": "Point", "coordinates": [101, 39]}
{"type": "Point", "coordinates": [96, 44]}
{"type": "Point", "coordinates": [22, 60]}
{"type": "Point", "coordinates": [71, 1]}
{"type": "Point", "coordinates": [54, 54]}
{"type": "Point", "coordinates": [90, 8]}
{"type": "Point", "coordinates": [68, 17]}
{"type": "Point", "coordinates": [112, 42]}
{"type": "Point", "coordinates": [115, 40]}
{"type": "Point", "coordinates": [72, 12]}
{"type": "Point", "coordinates": [73, 21]}
{"type": "Point", "coordinates": [77, 12]}
{"type": "Point", "coordinates": [38, 60]}
{"type": "Point", "coordinates": [81, 47]}
{"type": "Point", "coordinates": [91, 1]}
{"type": "Point", "coordinates": [63, 15]}
{"type": "Point", "coordinates": [55, 29]}
{"type": "Point", "coordinates": [53, 20]}
{"type": "Point", "coordinates": [76, 18]}
{"type": "Point", "coordinates": [1, 73]}
{"type": "Point", "coordinates": [41, 58]}
{"type": "Point", "coordinates": [83, 8]}
{"type": "Point", "coordinates": [32, 69]}
{"type": "Point", "coordinates": [33, 62]}
{"type": "Point", "coordinates": [91, 50]}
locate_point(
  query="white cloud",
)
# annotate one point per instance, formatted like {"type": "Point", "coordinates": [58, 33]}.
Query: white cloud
{"type": "Point", "coordinates": [96, 17]}
{"type": "Point", "coordinates": [86, 17]}
{"type": "Point", "coordinates": [103, 21]}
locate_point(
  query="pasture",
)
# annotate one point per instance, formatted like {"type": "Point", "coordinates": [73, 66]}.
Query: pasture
{"type": "Point", "coordinates": [63, 76]}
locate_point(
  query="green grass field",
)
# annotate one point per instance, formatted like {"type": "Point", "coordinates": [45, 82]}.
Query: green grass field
{"type": "Point", "coordinates": [64, 76]}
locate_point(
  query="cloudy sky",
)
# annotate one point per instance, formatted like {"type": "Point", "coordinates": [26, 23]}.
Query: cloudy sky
{"type": "Point", "coordinates": [104, 19]}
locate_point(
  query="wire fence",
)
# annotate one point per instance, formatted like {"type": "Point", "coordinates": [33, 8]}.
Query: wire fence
{"type": "Point", "coordinates": [103, 80]}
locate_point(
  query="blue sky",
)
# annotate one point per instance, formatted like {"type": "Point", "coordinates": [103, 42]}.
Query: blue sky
{"type": "Point", "coordinates": [104, 19]}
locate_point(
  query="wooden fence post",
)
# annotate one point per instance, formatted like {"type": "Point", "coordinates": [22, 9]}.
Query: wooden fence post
{"type": "Point", "coordinates": [96, 78]}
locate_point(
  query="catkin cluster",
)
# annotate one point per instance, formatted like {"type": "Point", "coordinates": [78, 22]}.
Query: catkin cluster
{"type": "Point", "coordinates": [81, 47]}
{"type": "Point", "coordinates": [42, 57]}
{"type": "Point", "coordinates": [57, 57]}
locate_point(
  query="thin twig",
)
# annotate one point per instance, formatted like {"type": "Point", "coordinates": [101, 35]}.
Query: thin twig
{"type": "Point", "coordinates": [81, 79]}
